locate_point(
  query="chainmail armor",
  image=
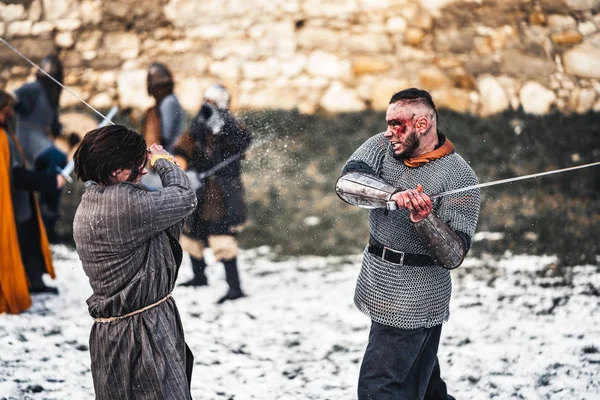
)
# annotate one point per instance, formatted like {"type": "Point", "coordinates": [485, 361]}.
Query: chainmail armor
{"type": "Point", "coordinates": [406, 296]}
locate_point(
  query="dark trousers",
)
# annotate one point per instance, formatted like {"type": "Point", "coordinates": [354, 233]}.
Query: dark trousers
{"type": "Point", "coordinates": [401, 364]}
{"type": "Point", "coordinates": [31, 252]}
{"type": "Point", "coordinates": [49, 201]}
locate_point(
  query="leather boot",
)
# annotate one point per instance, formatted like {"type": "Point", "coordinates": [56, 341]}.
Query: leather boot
{"type": "Point", "coordinates": [199, 279]}
{"type": "Point", "coordinates": [233, 280]}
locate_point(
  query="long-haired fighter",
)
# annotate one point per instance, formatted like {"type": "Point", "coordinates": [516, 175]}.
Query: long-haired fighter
{"type": "Point", "coordinates": [126, 238]}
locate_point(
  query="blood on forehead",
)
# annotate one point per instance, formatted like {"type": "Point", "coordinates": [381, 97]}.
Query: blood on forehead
{"type": "Point", "coordinates": [407, 111]}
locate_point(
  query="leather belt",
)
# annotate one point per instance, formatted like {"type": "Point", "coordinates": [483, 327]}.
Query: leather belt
{"type": "Point", "coordinates": [399, 257]}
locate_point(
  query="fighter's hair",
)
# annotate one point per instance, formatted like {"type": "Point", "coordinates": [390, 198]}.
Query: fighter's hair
{"type": "Point", "coordinates": [107, 149]}
{"type": "Point", "coordinates": [415, 96]}
{"type": "Point", "coordinates": [5, 99]}
{"type": "Point", "coordinates": [160, 79]}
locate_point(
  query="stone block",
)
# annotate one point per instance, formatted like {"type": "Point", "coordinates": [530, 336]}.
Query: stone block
{"type": "Point", "coordinates": [367, 43]}
{"type": "Point", "coordinates": [13, 12]}
{"type": "Point", "coordinates": [229, 68]}
{"type": "Point", "coordinates": [414, 36]}
{"type": "Point", "coordinates": [383, 90]}
{"type": "Point", "coordinates": [582, 100]}
{"type": "Point", "coordinates": [396, 24]}
{"type": "Point", "coordinates": [91, 12]}
{"type": "Point", "coordinates": [319, 38]}
{"type": "Point", "coordinates": [331, 8]}
{"type": "Point", "coordinates": [60, 9]}
{"type": "Point", "coordinates": [538, 18]}
{"type": "Point", "coordinates": [583, 60]}
{"type": "Point", "coordinates": [131, 86]}
{"type": "Point", "coordinates": [457, 100]}
{"type": "Point", "coordinates": [559, 22]}
{"type": "Point", "coordinates": [566, 38]}
{"type": "Point", "coordinates": [35, 11]}
{"type": "Point", "coordinates": [327, 65]}
{"type": "Point", "coordinates": [432, 77]}
{"type": "Point", "coordinates": [102, 100]}
{"type": "Point", "coordinates": [519, 64]}
{"type": "Point", "coordinates": [536, 99]}
{"type": "Point", "coordinates": [64, 39]}
{"type": "Point", "coordinates": [493, 97]}
{"type": "Point", "coordinates": [293, 66]}
{"type": "Point", "coordinates": [339, 98]}
{"type": "Point", "coordinates": [434, 6]}
{"type": "Point", "coordinates": [192, 13]}
{"type": "Point", "coordinates": [260, 69]}
{"type": "Point", "coordinates": [67, 24]}
{"type": "Point", "coordinates": [269, 98]}
{"type": "Point", "coordinates": [454, 40]}
{"type": "Point", "coordinates": [89, 40]}
{"type": "Point", "coordinates": [207, 31]}
{"type": "Point", "coordinates": [370, 65]}
{"type": "Point", "coordinates": [566, 6]}
{"type": "Point", "coordinates": [42, 28]}
{"type": "Point", "coordinates": [19, 28]}
{"type": "Point", "coordinates": [122, 45]}
{"type": "Point", "coordinates": [189, 92]}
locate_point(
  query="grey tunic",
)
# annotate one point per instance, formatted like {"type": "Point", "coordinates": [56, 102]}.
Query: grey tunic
{"type": "Point", "coordinates": [126, 240]}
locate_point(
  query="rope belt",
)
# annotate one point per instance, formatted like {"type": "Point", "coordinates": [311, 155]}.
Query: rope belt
{"type": "Point", "coordinates": [110, 319]}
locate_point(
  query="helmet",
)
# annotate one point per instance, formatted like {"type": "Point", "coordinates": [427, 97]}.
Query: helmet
{"type": "Point", "coordinates": [218, 94]}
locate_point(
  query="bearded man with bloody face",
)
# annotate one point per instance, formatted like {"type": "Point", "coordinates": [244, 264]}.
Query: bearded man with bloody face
{"type": "Point", "coordinates": [404, 285]}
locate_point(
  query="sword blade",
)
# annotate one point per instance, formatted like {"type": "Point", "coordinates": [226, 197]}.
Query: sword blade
{"type": "Point", "coordinates": [516, 178]}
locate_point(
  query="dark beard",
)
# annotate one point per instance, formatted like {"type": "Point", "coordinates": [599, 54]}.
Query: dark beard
{"type": "Point", "coordinates": [412, 144]}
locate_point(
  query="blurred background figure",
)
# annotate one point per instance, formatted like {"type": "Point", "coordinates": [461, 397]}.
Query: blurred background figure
{"type": "Point", "coordinates": [164, 122]}
{"type": "Point", "coordinates": [214, 147]}
{"type": "Point", "coordinates": [37, 109]}
{"type": "Point", "coordinates": [25, 252]}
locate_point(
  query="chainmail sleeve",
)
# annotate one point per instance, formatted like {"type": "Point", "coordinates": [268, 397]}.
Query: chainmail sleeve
{"type": "Point", "coordinates": [460, 210]}
{"type": "Point", "coordinates": [371, 153]}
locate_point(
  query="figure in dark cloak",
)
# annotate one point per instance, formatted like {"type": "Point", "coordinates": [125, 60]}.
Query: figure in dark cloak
{"type": "Point", "coordinates": [37, 110]}
{"type": "Point", "coordinates": [215, 140]}
{"type": "Point", "coordinates": [126, 238]}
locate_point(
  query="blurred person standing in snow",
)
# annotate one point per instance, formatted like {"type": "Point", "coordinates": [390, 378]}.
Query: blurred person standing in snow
{"type": "Point", "coordinates": [404, 284]}
{"type": "Point", "coordinates": [37, 109]}
{"type": "Point", "coordinates": [164, 122]}
{"type": "Point", "coordinates": [25, 253]}
{"type": "Point", "coordinates": [215, 140]}
{"type": "Point", "coordinates": [126, 238]}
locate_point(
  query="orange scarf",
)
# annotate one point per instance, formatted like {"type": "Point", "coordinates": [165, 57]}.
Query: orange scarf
{"type": "Point", "coordinates": [14, 292]}
{"type": "Point", "coordinates": [422, 159]}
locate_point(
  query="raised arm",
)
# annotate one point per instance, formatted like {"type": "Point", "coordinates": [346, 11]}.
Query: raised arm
{"type": "Point", "coordinates": [367, 158]}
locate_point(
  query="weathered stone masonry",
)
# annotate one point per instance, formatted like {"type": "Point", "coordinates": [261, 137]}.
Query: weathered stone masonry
{"type": "Point", "coordinates": [479, 56]}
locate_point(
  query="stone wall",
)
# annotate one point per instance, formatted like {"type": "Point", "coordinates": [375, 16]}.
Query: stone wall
{"type": "Point", "coordinates": [479, 56]}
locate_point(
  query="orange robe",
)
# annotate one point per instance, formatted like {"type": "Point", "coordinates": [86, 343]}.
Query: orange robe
{"type": "Point", "coordinates": [14, 286]}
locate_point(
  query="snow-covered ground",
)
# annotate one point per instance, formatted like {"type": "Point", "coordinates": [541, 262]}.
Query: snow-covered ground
{"type": "Point", "coordinates": [515, 332]}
